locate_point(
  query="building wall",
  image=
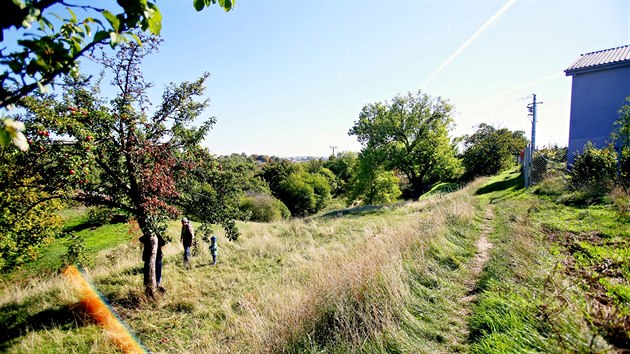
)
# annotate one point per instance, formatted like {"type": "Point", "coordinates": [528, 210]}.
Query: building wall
{"type": "Point", "coordinates": [596, 98]}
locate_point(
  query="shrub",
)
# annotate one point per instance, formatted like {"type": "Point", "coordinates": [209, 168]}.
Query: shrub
{"type": "Point", "coordinates": [77, 253]}
{"type": "Point", "coordinates": [375, 187]}
{"type": "Point", "coordinates": [621, 200]}
{"type": "Point", "coordinates": [321, 188]}
{"type": "Point", "coordinates": [298, 196]}
{"type": "Point", "coordinates": [593, 171]}
{"type": "Point", "coordinates": [99, 216]}
{"type": "Point", "coordinates": [304, 193]}
{"type": "Point", "coordinates": [624, 165]}
{"type": "Point", "coordinates": [552, 187]}
{"type": "Point", "coordinates": [539, 167]}
{"type": "Point", "coordinates": [264, 208]}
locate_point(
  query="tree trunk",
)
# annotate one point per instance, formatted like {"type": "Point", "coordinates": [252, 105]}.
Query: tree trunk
{"type": "Point", "coordinates": [416, 187]}
{"type": "Point", "coordinates": [150, 280]}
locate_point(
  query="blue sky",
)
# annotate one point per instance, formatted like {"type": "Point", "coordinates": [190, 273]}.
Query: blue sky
{"type": "Point", "coordinates": [289, 78]}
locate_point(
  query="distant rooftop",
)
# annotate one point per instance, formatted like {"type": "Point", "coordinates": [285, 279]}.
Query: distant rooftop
{"type": "Point", "coordinates": [619, 56]}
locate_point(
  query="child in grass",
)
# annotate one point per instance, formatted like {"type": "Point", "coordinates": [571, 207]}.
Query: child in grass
{"type": "Point", "coordinates": [214, 249]}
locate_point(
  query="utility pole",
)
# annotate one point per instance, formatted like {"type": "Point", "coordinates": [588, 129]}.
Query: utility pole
{"type": "Point", "coordinates": [529, 156]}
{"type": "Point", "coordinates": [532, 112]}
{"type": "Point", "coordinates": [333, 149]}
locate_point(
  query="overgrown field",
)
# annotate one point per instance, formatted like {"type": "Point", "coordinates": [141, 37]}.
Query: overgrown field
{"type": "Point", "coordinates": [395, 279]}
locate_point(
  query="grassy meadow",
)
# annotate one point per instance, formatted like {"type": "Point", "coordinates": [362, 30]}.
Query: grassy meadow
{"type": "Point", "coordinates": [395, 279]}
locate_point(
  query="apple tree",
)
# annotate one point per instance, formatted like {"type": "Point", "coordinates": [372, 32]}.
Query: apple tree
{"type": "Point", "coordinates": [116, 154]}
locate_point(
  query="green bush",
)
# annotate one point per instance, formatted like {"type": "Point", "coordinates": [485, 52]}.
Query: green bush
{"type": "Point", "coordinates": [99, 216]}
{"type": "Point", "coordinates": [298, 196]}
{"type": "Point", "coordinates": [593, 171]}
{"type": "Point", "coordinates": [552, 187]}
{"type": "Point", "coordinates": [77, 253]}
{"type": "Point", "coordinates": [620, 198]}
{"type": "Point", "coordinates": [304, 193]}
{"type": "Point", "coordinates": [321, 188]}
{"type": "Point", "coordinates": [624, 163]}
{"type": "Point", "coordinates": [264, 208]}
{"type": "Point", "coordinates": [375, 187]}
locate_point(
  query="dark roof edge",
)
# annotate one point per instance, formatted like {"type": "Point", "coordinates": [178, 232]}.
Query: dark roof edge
{"type": "Point", "coordinates": [587, 69]}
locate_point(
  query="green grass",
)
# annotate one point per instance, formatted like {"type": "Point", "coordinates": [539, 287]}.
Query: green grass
{"type": "Point", "coordinates": [537, 292]}
{"type": "Point", "coordinates": [600, 219]}
{"type": "Point", "coordinates": [387, 279]}
{"type": "Point", "coordinates": [96, 240]}
{"type": "Point", "coordinates": [442, 187]}
{"type": "Point", "coordinates": [73, 217]}
{"type": "Point", "coordinates": [207, 305]}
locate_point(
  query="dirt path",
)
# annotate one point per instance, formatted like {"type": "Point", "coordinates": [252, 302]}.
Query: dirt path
{"type": "Point", "coordinates": [476, 266]}
{"type": "Point", "coordinates": [480, 259]}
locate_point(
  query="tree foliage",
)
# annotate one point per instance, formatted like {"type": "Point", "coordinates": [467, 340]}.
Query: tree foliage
{"type": "Point", "coordinates": [28, 209]}
{"type": "Point", "coordinates": [276, 172]}
{"type": "Point", "coordinates": [489, 150]}
{"type": "Point", "coordinates": [118, 155]}
{"type": "Point", "coordinates": [211, 189]}
{"type": "Point", "coordinates": [621, 135]}
{"type": "Point", "coordinates": [304, 193]}
{"type": "Point", "coordinates": [410, 134]}
{"type": "Point", "coordinates": [373, 186]}
{"type": "Point", "coordinates": [297, 195]}
{"type": "Point", "coordinates": [48, 44]}
{"type": "Point", "coordinates": [343, 166]}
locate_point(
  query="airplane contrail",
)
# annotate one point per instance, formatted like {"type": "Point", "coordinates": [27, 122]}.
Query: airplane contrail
{"type": "Point", "coordinates": [470, 40]}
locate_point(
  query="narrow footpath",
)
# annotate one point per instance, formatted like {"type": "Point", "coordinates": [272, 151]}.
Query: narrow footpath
{"type": "Point", "coordinates": [476, 266]}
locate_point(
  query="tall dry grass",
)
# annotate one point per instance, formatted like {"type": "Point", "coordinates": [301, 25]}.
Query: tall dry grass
{"type": "Point", "coordinates": [298, 285]}
{"type": "Point", "coordinates": [345, 295]}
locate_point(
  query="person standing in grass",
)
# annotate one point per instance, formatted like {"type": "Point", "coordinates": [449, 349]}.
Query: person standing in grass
{"type": "Point", "coordinates": [214, 249]}
{"type": "Point", "coordinates": [187, 237]}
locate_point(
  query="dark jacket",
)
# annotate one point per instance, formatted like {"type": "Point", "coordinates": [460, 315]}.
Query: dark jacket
{"type": "Point", "coordinates": [187, 235]}
{"type": "Point", "coordinates": [146, 251]}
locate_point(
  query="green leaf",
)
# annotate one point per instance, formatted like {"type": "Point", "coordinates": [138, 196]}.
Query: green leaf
{"type": "Point", "coordinates": [19, 3]}
{"type": "Point", "coordinates": [95, 20]}
{"type": "Point", "coordinates": [76, 48]}
{"type": "Point", "coordinates": [5, 137]}
{"type": "Point", "coordinates": [226, 4]}
{"type": "Point", "coordinates": [113, 20]}
{"type": "Point", "coordinates": [114, 38]}
{"type": "Point", "coordinates": [42, 88]}
{"type": "Point", "coordinates": [48, 23]}
{"type": "Point", "coordinates": [72, 14]}
{"type": "Point", "coordinates": [135, 38]}
{"type": "Point", "coordinates": [199, 4]}
{"type": "Point", "coordinates": [88, 30]}
{"type": "Point", "coordinates": [155, 19]}
{"type": "Point", "coordinates": [100, 36]}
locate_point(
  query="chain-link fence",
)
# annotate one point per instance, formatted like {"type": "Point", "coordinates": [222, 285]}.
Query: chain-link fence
{"type": "Point", "coordinates": [544, 163]}
{"type": "Point", "coordinates": [555, 162]}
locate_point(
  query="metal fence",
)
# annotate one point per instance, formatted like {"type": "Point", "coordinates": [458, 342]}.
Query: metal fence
{"type": "Point", "coordinates": [550, 162]}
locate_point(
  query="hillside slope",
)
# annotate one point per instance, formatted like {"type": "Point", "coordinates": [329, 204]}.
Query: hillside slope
{"type": "Point", "coordinates": [418, 277]}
